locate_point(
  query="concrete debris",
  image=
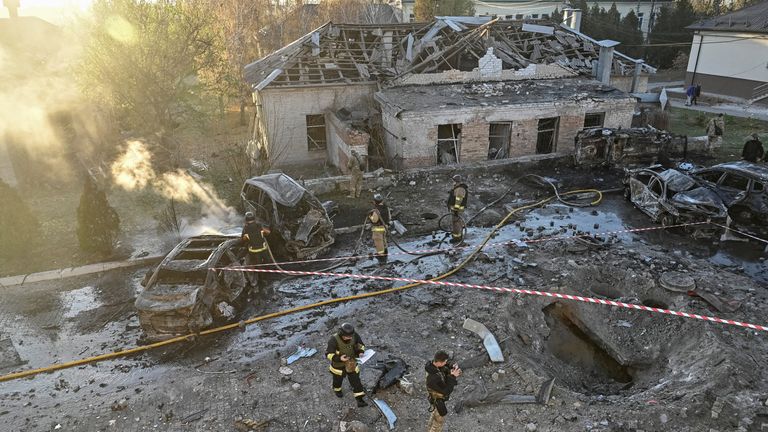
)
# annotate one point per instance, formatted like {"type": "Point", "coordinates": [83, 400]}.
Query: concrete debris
{"type": "Point", "coordinates": [387, 412]}
{"type": "Point", "coordinates": [302, 352]}
{"type": "Point", "coordinates": [285, 370]}
{"type": "Point", "coordinates": [489, 340]}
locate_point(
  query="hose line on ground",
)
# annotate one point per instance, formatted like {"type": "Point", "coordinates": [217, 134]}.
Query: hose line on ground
{"type": "Point", "coordinates": [243, 324]}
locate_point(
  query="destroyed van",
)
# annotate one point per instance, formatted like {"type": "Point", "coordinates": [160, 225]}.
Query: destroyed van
{"type": "Point", "coordinates": [612, 146]}
{"type": "Point", "coordinates": [184, 293]}
{"type": "Point", "coordinates": [298, 221]}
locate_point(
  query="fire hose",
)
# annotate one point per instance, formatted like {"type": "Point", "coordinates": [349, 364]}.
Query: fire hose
{"type": "Point", "coordinates": [242, 324]}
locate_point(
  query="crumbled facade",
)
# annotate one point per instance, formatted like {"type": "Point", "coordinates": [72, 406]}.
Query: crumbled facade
{"type": "Point", "coordinates": [305, 92]}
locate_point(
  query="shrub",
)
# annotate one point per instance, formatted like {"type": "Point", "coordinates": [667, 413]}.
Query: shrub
{"type": "Point", "coordinates": [97, 222]}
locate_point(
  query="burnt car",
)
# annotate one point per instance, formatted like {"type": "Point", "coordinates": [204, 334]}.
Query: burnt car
{"type": "Point", "coordinates": [298, 221]}
{"type": "Point", "coordinates": [741, 186]}
{"type": "Point", "coordinates": [612, 146]}
{"type": "Point", "coordinates": [670, 197]}
{"type": "Point", "coordinates": [184, 294]}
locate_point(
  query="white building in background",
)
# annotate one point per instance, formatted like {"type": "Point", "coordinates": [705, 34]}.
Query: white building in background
{"type": "Point", "coordinates": [526, 9]}
{"type": "Point", "coordinates": [729, 55]}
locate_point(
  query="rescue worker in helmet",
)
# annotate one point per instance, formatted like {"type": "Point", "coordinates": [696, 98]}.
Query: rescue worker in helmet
{"type": "Point", "coordinates": [254, 236]}
{"type": "Point", "coordinates": [380, 219]}
{"type": "Point", "coordinates": [343, 349]}
{"type": "Point", "coordinates": [457, 202]}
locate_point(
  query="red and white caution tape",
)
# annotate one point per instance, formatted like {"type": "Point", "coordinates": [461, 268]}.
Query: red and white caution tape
{"type": "Point", "coordinates": [522, 291]}
{"type": "Point", "coordinates": [426, 251]}
{"type": "Point", "coordinates": [740, 232]}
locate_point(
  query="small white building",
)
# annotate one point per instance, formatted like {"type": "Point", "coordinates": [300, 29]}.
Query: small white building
{"type": "Point", "coordinates": [729, 55]}
{"type": "Point", "coordinates": [535, 10]}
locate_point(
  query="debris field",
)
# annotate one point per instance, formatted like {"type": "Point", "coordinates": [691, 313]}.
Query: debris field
{"type": "Point", "coordinates": [614, 369]}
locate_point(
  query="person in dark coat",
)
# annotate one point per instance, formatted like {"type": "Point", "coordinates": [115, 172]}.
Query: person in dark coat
{"type": "Point", "coordinates": [753, 149]}
{"type": "Point", "coordinates": [441, 380]}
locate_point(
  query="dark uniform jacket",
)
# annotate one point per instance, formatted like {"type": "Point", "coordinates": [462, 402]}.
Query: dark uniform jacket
{"type": "Point", "coordinates": [255, 238]}
{"type": "Point", "coordinates": [453, 201]}
{"type": "Point", "coordinates": [384, 213]}
{"type": "Point", "coordinates": [753, 150]}
{"type": "Point", "coordinates": [336, 347]}
{"type": "Point", "coordinates": [440, 384]}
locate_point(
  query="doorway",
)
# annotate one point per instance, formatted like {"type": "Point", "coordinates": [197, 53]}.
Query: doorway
{"type": "Point", "coordinates": [547, 136]}
{"type": "Point", "coordinates": [448, 143]}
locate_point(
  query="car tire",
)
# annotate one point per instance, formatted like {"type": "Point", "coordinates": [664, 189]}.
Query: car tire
{"type": "Point", "coordinates": [627, 193]}
{"type": "Point", "coordinates": [743, 215]}
{"type": "Point", "coordinates": [666, 220]}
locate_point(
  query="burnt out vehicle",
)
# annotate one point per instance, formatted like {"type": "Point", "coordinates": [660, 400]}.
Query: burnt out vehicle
{"type": "Point", "coordinates": [670, 197]}
{"type": "Point", "coordinates": [612, 146]}
{"type": "Point", "coordinates": [298, 221]}
{"type": "Point", "coordinates": [184, 294]}
{"type": "Point", "coordinates": [741, 186]}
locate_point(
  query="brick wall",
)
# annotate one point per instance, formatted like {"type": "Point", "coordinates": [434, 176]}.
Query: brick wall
{"type": "Point", "coordinates": [570, 125]}
{"type": "Point", "coordinates": [474, 141]}
{"type": "Point", "coordinates": [523, 140]}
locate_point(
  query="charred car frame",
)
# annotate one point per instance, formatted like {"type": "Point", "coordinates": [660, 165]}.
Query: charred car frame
{"type": "Point", "coordinates": [184, 293]}
{"type": "Point", "coordinates": [299, 222]}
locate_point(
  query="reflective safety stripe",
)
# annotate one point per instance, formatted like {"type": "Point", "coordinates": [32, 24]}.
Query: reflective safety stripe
{"type": "Point", "coordinates": [335, 371]}
{"type": "Point", "coordinates": [330, 356]}
{"type": "Point", "coordinates": [359, 394]}
{"type": "Point", "coordinates": [337, 389]}
{"type": "Point", "coordinates": [379, 229]}
{"type": "Point", "coordinates": [457, 235]}
{"type": "Point", "coordinates": [252, 250]}
{"type": "Point", "coordinates": [458, 207]}
{"type": "Point", "coordinates": [434, 394]}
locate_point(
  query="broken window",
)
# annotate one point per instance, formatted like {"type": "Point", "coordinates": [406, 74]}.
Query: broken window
{"type": "Point", "coordinates": [593, 120]}
{"type": "Point", "coordinates": [316, 136]}
{"type": "Point", "coordinates": [545, 16]}
{"type": "Point", "coordinates": [547, 137]}
{"type": "Point", "coordinates": [757, 187]}
{"type": "Point", "coordinates": [519, 16]}
{"type": "Point", "coordinates": [712, 177]}
{"type": "Point", "coordinates": [735, 181]}
{"type": "Point", "coordinates": [498, 140]}
{"type": "Point", "coordinates": [535, 16]}
{"type": "Point", "coordinates": [448, 143]}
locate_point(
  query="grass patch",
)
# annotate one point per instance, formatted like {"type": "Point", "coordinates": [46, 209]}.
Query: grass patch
{"type": "Point", "coordinates": [694, 123]}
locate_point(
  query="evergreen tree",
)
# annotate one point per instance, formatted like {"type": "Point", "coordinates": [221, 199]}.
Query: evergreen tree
{"type": "Point", "coordinates": [97, 222]}
{"type": "Point", "coordinates": [426, 10]}
{"type": "Point", "coordinates": [669, 28]}
{"type": "Point", "coordinates": [557, 16]}
{"type": "Point", "coordinates": [19, 229]}
{"type": "Point", "coordinates": [631, 35]}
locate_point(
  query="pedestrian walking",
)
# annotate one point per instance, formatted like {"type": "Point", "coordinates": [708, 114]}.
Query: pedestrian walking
{"type": "Point", "coordinates": [753, 150]}
{"type": "Point", "coordinates": [441, 380]}
{"type": "Point", "coordinates": [697, 94]}
{"type": "Point", "coordinates": [457, 202]}
{"type": "Point", "coordinates": [343, 349]}
{"type": "Point", "coordinates": [690, 93]}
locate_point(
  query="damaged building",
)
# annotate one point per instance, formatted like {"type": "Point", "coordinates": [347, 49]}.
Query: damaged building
{"type": "Point", "coordinates": [455, 90]}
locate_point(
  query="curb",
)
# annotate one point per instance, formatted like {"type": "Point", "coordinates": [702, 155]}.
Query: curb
{"type": "Point", "coordinates": [76, 271]}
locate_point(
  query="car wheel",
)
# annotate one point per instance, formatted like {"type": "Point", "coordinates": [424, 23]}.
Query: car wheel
{"type": "Point", "coordinates": [742, 215]}
{"type": "Point", "coordinates": [667, 220]}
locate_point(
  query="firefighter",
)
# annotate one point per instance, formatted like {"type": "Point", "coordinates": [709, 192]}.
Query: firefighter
{"type": "Point", "coordinates": [254, 237]}
{"type": "Point", "coordinates": [457, 202]}
{"type": "Point", "coordinates": [380, 218]}
{"type": "Point", "coordinates": [344, 347]}
{"type": "Point", "coordinates": [441, 379]}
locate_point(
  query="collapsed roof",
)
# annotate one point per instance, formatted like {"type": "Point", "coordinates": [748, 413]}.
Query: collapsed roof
{"type": "Point", "coordinates": [365, 53]}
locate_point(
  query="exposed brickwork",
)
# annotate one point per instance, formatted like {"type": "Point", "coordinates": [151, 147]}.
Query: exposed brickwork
{"type": "Point", "coordinates": [569, 127]}
{"type": "Point", "coordinates": [474, 141]}
{"type": "Point", "coordinates": [523, 140]}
